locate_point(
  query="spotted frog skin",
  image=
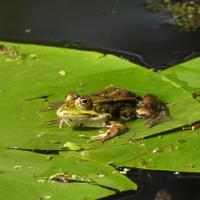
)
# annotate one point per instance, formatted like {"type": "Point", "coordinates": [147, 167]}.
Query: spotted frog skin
{"type": "Point", "coordinates": [110, 108]}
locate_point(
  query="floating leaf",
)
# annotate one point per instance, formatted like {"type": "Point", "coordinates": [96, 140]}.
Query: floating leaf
{"type": "Point", "coordinates": [27, 175]}
{"type": "Point", "coordinates": [29, 84]}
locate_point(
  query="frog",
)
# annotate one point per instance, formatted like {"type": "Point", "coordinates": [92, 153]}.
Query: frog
{"type": "Point", "coordinates": [109, 108]}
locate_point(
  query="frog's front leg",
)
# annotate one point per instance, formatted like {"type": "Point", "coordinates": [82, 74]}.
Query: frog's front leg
{"type": "Point", "coordinates": [114, 129]}
{"type": "Point", "coordinates": [62, 122]}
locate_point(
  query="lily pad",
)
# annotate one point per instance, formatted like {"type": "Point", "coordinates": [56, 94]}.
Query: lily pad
{"type": "Point", "coordinates": [33, 76]}
{"type": "Point", "coordinates": [28, 83]}
{"type": "Point", "coordinates": [26, 175]}
{"type": "Point", "coordinates": [186, 74]}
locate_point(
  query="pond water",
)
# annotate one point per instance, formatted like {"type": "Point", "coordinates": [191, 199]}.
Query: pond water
{"type": "Point", "coordinates": [162, 185]}
{"type": "Point", "coordinates": [121, 27]}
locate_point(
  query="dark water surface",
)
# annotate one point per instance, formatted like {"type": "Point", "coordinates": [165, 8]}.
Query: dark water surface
{"type": "Point", "coordinates": [122, 27]}
{"type": "Point", "coordinates": [162, 185]}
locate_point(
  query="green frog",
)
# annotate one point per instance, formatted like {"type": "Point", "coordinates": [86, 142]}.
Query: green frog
{"type": "Point", "coordinates": [109, 108]}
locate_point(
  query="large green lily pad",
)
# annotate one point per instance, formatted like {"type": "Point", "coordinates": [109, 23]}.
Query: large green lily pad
{"type": "Point", "coordinates": [28, 175]}
{"type": "Point", "coordinates": [42, 71]}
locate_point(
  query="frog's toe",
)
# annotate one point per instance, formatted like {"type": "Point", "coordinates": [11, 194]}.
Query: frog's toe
{"type": "Point", "coordinates": [61, 123]}
{"type": "Point", "coordinates": [152, 122]}
{"type": "Point", "coordinates": [156, 120]}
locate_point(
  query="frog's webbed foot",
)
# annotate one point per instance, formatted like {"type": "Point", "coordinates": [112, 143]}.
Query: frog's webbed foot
{"type": "Point", "coordinates": [153, 121]}
{"type": "Point", "coordinates": [114, 129]}
{"type": "Point", "coordinates": [163, 116]}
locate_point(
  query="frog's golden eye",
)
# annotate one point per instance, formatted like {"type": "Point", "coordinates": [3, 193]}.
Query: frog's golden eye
{"type": "Point", "coordinates": [84, 103]}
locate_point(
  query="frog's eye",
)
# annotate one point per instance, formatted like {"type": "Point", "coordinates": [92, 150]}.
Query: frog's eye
{"type": "Point", "coordinates": [84, 103]}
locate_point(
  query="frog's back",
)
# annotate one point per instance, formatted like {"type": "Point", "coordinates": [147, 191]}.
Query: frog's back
{"type": "Point", "coordinates": [112, 93]}
{"type": "Point", "coordinates": [114, 101]}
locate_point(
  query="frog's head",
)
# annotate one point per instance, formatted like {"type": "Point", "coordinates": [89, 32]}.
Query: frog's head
{"type": "Point", "coordinates": [78, 112]}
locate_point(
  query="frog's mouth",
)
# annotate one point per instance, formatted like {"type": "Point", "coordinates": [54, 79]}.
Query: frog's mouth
{"type": "Point", "coordinates": [84, 118]}
{"type": "Point", "coordinates": [62, 113]}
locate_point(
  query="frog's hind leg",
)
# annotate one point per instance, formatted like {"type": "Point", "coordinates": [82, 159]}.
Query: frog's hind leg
{"type": "Point", "coordinates": [153, 121]}
{"type": "Point", "coordinates": [163, 116]}
{"type": "Point", "coordinates": [114, 129]}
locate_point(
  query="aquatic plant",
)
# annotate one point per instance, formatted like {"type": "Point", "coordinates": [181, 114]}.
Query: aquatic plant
{"type": "Point", "coordinates": [185, 14]}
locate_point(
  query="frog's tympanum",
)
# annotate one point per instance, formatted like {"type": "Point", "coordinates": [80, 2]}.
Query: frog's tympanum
{"type": "Point", "coordinates": [109, 108]}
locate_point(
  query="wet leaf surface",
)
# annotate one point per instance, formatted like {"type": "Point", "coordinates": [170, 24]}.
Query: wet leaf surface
{"type": "Point", "coordinates": [41, 75]}
{"type": "Point", "coordinates": [37, 81]}
{"type": "Point", "coordinates": [176, 151]}
{"type": "Point", "coordinates": [28, 175]}
{"type": "Point", "coordinates": [186, 74]}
